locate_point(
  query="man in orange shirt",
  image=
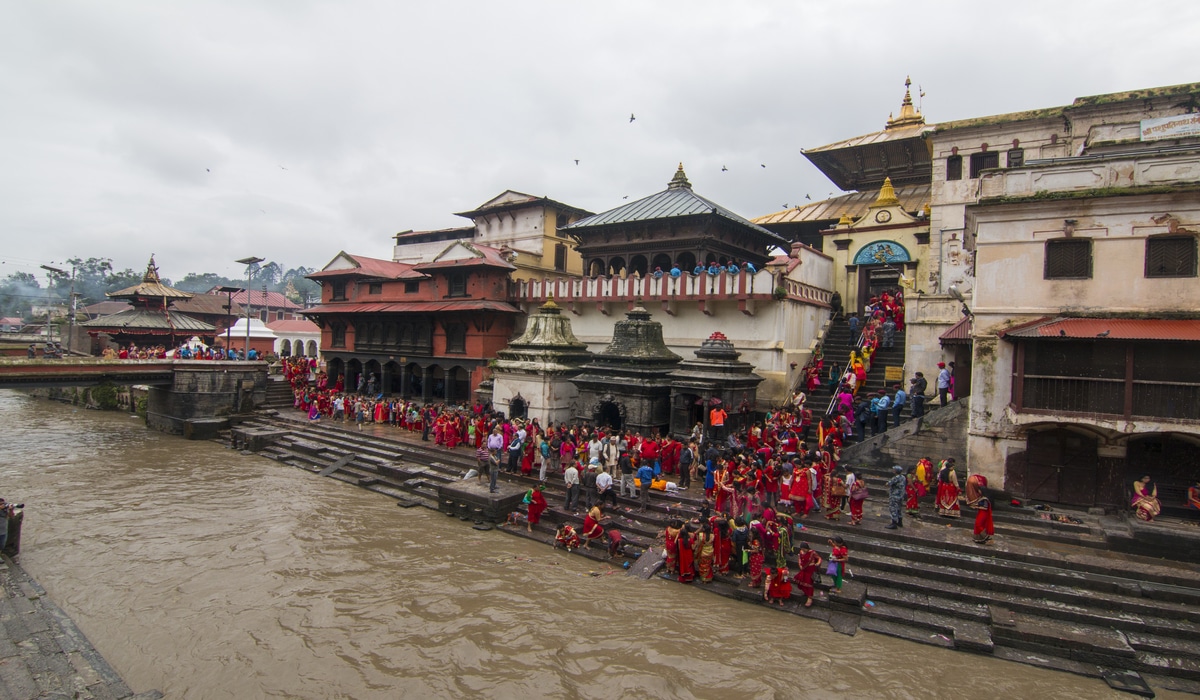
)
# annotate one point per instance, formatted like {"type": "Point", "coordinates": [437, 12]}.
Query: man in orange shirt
{"type": "Point", "coordinates": [716, 420]}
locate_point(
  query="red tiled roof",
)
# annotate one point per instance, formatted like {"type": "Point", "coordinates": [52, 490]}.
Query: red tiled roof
{"type": "Point", "coordinates": [273, 300]}
{"type": "Point", "coordinates": [959, 333]}
{"type": "Point", "coordinates": [11, 321]}
{"type": "Point", "coordinates": [414, 307]}
{"type": "Point", "coordinates": [1108, 329]}
{"type": "Point", "coordinates": [294, 325]}
{"type": "Point", "coordinates": [371, 267]}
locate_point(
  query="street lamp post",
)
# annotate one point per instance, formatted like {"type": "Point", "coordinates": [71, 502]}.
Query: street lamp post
{"type": "Point", "coordinates": [250, 264]}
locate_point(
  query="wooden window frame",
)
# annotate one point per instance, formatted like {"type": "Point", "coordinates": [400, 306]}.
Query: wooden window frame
{"type": "Point", "coordinates": [1050, 270]}
{"type": "Point", "coordinates": [1183, 266]}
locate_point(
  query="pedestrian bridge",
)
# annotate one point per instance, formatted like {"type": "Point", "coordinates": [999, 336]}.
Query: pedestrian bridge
{"type": "Point", "coordinates": [18, 373]}
{"type": "Point", "coordinates": [189, 397]}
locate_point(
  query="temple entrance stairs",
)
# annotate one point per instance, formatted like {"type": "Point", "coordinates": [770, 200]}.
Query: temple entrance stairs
{"type": "Point", "coordinates": [837, 349]}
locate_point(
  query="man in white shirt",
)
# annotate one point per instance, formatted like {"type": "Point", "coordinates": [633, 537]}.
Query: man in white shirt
{"type": "Point", "coordinates": [604, 486]}
{"type": "Point", "coordinates": [571, 478]}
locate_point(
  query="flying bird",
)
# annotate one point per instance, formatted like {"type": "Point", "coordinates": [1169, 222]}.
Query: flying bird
{"type": "Point", "coordinates": [625, 197]}
{"type": "Point", "coordinates": [724, 169]}
{"type": "Point", "coordinates": [631, 117]}
{"type": "Point", "coordinates": [808, 198]}
{"type": "Point", "coordinates": [576, 161]}
{"type": "Point", "coordinates": [207, 170]}
{"type": "Point", "coordinates": [785, 206]}
{"type": "Point", "coordinates": [763, 164]}
{"type": "Point", "coordinates": [282, 168]}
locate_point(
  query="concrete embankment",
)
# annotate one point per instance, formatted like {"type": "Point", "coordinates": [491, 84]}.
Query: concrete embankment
{"type": "Point", "coordinates": [43, 654]}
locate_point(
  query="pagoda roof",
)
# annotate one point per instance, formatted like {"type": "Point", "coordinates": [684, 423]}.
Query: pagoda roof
{"type": "Point", "coordinates": [136, 320]}
{"type": "Point", "coordinates": [678, 200]}
{"type": "Point", "coordinates": [913, 198]}
{"type": "Point", "coordinates": [150, 287]}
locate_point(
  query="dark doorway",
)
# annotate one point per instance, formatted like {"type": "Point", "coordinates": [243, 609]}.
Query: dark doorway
{"type": "Point", "coordinates": [874, 280]}
{"type": "Point", "coordinates": [1060, 467]}
{"type": "Point", "coordinates": [608, 413]}
{"type": "Point", "coordinates": [1172, 463]}
{"type": "Point", "coordinates": [517, 407]}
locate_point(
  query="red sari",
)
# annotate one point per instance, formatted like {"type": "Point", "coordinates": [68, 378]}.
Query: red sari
{"type": "Point", "coordinates": [592, 530]}
{"type": "Point", "coordinates": [984, 529]}
{"type": "Point", "coordinates": [779, 587]}
{"type": "Point", "coordinates": [947, 494]}
{"type": "Point", "coordinates": [687, 570]}
{"type": "Point", "coordinates": [808, 560]}
{"type": "Point", "coordinates": [537, 505]}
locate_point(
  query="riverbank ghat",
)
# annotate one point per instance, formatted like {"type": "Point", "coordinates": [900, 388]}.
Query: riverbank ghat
{"type": "Point", "coordinates": [1049, 592]}
{"type": "Point", "coordinates": [43, 654]}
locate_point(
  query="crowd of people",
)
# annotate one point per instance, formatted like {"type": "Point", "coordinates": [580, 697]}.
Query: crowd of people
{"type": "Point", "coordinates": [183, 351]}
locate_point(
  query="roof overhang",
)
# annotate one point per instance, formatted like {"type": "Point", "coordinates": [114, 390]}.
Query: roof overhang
{"type": "Point", "coordinates": [1076, 328]}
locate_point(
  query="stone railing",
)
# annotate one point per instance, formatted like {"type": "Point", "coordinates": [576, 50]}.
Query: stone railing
{"type": "Point", "coordinates": [740, 286]}
{"type": "Point", "coordinates": [1091, 173]}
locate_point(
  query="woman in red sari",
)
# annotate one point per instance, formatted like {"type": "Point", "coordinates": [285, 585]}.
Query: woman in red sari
{"type": "Point", "coordinates": [808, 560]}
{"type": "Point", "coordinates": [947, 490]}
{"type": "Point", "coordinates": [687, 569]}
{"type": "Point", "coordinates": [858, 496]}
{"type": "Point", "coordinates": [755, 555]}
{"type": "Point", "coordinates": [975, 485]}
{"type": "Point", "coordinates": [779, 586]}
{"type": "Point", "coordinates": [671, 546]}
{"type": "Point", "coordinates": [912, 491]}
{"type": "Point", "coordinates": [566, 537]}
{"type": "Point", "coordinates": [537, 506]}
{"type": "Point", "coordinates": [592, 529]}
{"type": "Point", "coordinates": [984, 529]}
{"type": "Point", "coordinates": [722, 544]}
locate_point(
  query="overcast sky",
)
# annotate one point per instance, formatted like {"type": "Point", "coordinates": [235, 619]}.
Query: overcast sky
{"type": "Point", "coordinates": [208, 131]}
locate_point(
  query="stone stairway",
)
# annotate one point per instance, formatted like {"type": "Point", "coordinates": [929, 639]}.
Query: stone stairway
{"type": "Point", "coordinates": [1046, 593]}
{"type": "Point", "coordinates": [279, 395]}
{"type": "Point", "coordinates": [837, 349]}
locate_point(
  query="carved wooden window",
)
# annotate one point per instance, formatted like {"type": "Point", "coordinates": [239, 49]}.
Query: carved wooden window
{"type": "Point", "coordinates": [983, 161]}
{"type": "Point", "coordinates": [338, 331]}
{"type": "Point", "coordinates": [954, 168]}
{"type": "Point", "coordinates": [456, 337]}
{"type": "Point", "coordinates": [339, 291]}
{"type": "Point", "coordinates": [1068, 258]}
{"type": "Point", "coordinates": [1171, 256]}
{"type": "Point", "coordinates": [458, 285]}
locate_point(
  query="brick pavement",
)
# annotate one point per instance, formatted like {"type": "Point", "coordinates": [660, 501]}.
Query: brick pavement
{"type": "Point", "coordinates": [43, 654]}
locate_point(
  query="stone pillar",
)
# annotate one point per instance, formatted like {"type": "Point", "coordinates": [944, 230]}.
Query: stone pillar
{"type": "Point", "coordinates": [426, 381]}
{"type": "Point", "coordinates": [385, 379]}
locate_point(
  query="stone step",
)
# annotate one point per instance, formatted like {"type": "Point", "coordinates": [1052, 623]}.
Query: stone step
{"type": "Point", "coordinates": [959, 633]}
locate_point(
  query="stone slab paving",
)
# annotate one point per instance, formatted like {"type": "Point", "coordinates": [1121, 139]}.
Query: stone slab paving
{"type": "Point", "coordinates": [43, 654]}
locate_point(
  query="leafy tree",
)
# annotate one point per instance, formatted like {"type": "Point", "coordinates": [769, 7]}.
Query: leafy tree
{"type": "Point", "coordinates": [202, 282]}
{"type": "Point", "coordinates": [18, 292]}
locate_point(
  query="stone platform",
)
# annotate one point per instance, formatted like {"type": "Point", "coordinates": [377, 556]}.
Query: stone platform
{"type": "Point", "coordinates": [43, 654]}
{"type": "Point", "coordinates": [470, 500]}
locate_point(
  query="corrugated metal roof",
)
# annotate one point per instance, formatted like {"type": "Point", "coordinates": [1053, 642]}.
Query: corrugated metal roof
{"type": "Point", "coordinates": [959, 333]}
{"type": "Point", "coordinates": [1108, 329]}
{"type": "Point", "coordinates": [133, 320]}
{"type": "Point", "coordinates": [414, 307]}
{"type": "Point", "coordinates": [671, 202]}
{"type": "Point", "coordinates": [913, 198]}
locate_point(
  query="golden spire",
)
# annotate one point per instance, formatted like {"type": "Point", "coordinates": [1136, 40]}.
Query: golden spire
{"type": "Point", "coordinates": [908, 115]}
{"type": "Point", "coordinates": [887, 195]}
{"type": "Point", "coordinates": [845, 220]}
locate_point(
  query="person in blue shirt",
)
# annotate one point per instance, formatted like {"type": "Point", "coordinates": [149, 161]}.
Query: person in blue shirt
{"type": "Point", "coordinates": [714, 268]}
{"type": "Point", "coordinates": [698, 270]}
{"type": "Point", "coordinates": [732, 268]}
{"type": "Point", "coordinates": [675, 271]}
{"type": "Point", "coordinates": [750, 267]}
{"type": "Point", "coordinates": [898, 400]}
{"type": "Point", "coordinates": [645, 475]}
{"type": "Point", "coordinates": [658, 273]}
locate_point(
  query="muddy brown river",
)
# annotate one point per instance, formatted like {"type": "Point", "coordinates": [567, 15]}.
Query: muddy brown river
{"type": "Point", "coordinates": [208, 574]}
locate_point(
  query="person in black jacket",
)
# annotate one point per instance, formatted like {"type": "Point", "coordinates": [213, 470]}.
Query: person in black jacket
{"type": "Point", "coordinates": [916, 394]}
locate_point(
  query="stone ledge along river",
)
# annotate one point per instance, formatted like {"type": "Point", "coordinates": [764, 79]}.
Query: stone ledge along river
{"type": "Point", "coordinates": [206, 573]}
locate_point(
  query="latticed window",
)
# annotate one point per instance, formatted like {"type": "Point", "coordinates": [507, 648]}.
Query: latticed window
{"type": "Point", "coordinates": [1171, 256]}
{"type": "Point", "coordinates": [1069, 258]}
{"type": "Point", "coordinates": [954, 168]}
{"type": "Point", "coordinates": [338, 331]}
{"type": "Point", "coordinates": [456, 337]}
{"type": "Point", "coordinates": [984, 161]}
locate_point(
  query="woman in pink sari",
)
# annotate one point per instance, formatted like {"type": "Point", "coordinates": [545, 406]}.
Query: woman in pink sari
{"type": "Point", "coordinates": [1145, 499]}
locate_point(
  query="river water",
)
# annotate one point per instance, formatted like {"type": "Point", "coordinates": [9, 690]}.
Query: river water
{"type": "Point", "coordinates": [208, 574]}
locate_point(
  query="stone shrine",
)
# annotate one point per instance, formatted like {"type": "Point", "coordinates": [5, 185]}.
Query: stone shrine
{"type": "Point", "coordinates": [628, 385]}
{"type": "Point", "coordinates": [716, 377]}
{"type": "Point", "coordinates": [532, 376]}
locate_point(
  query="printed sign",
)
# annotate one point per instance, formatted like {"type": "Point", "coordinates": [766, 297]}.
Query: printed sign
{"type": "Point", "coordinates": [893, 374]}
{"type": "Point", "coordinates": [1171, 127]}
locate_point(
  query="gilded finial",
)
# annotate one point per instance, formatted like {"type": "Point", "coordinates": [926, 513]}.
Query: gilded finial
{"type": "Point", "coordinates": [908, 115]}
{"type": "Point", "coordinates": [845, 220]}
{"type": "Point", "coordinates": [887, 195]}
